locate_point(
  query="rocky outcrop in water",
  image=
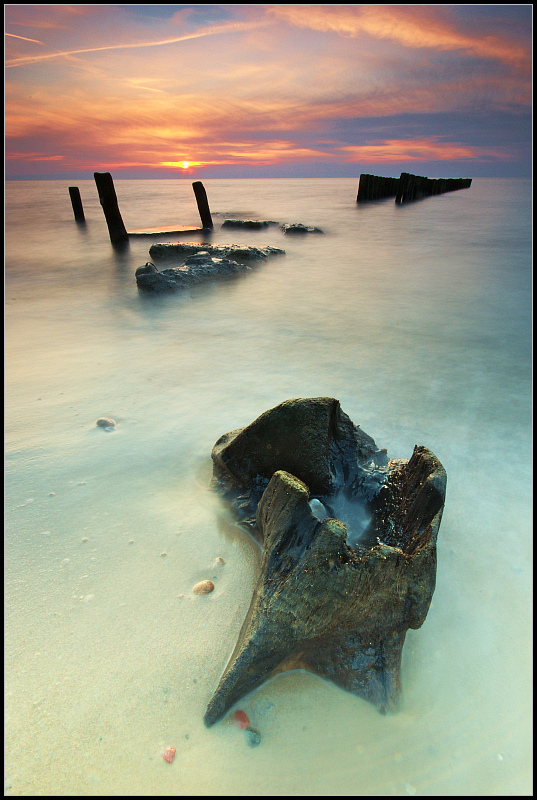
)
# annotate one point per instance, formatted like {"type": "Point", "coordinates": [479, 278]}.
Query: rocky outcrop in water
{"type": "Point", "coordinates": [198, 268]}
{"type": "Point", "coordinates": [203, 263]}
{"type": "Point", "coordinates": [250, 224]}
{"type": "Point", "coordinates": [174, 250]}
{"type": "Point", "coordinates": [320, 603]}
{"type": "Point", "coordinates": [298, 227]}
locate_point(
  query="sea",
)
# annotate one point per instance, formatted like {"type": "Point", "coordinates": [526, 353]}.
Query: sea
{"type": "Point", "coordinates": [418, 319]}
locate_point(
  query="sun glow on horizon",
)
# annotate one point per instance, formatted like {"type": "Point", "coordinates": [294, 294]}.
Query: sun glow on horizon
{"type": "Point", "coordinates": [180, 164]}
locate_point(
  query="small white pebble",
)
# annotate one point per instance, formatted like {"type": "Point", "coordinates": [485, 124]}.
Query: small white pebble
{"type": "Point", "coordinates": [85, 539]}
{"type": "Point", "coordinates": [163, 554]}
{"type": "Point", "coordinates": [52, 494]}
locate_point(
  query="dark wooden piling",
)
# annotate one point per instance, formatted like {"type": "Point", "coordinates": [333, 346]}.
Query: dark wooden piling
{"type": "Point", "coordinates": [76, 202]}
{"type": "Point", "coordinates": [108, 200]}
{"type": "Point", "coordinates": [374, 187]}
{"type": "Point", "coordinates": [203, 204]}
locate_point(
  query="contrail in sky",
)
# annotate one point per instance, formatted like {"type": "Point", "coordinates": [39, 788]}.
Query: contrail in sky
{"type": "Point", "coordinates": [213, 31]}
{"type": "Point", "coordinates": [24, 38]}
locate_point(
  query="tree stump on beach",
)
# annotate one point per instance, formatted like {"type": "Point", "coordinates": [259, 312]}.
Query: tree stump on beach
{"type": "Point", "coordinates": [320, 604]}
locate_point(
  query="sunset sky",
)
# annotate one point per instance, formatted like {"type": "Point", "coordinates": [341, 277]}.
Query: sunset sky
{"type": "Point", "coordinates": [256, 91]}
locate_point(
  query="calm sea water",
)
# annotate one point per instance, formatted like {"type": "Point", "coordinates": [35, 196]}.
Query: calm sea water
{"type": "Point", "coordinates": [418, 319]}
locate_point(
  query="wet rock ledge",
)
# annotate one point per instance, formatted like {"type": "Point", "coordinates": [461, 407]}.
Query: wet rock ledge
{"type": "Point", "coordinates": [349, 550]}
{"type": "Point", "coordinates": [243, 252]}
{"type": "Point", "coordinates": [203, 263]}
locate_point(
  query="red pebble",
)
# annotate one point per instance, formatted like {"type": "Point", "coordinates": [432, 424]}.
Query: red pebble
{"type": "Point", "coordinates": [169, 754]}
{"type": "Point", "coordinates": [241, 720]}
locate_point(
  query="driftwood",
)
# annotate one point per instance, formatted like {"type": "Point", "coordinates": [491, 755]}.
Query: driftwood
{"type": "Point", "coordinates": [337, 609]}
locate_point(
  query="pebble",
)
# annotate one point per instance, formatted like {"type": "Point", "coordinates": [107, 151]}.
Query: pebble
{"type": "Point", "coordinates": [203, 587]}
{"type": "Point", "coordinates": [105, 422]}
{"type": "Point", "coordinates": [253, 737]}
{"type": "Point", "coordinates": [241, 720]}
{"type": "Point", "coordinates": [169, 754]}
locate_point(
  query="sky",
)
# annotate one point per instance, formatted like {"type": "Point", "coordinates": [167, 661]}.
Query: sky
{"type": "Point", "coordinates": [267, 91]}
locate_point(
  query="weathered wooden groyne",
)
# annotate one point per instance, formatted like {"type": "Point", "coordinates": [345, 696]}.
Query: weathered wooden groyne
{"type": "Point", "coordinates": [407, 187]}
{"type": "Point", "coordinates": [414, 187]}
{"type": "Point", "coordinates": [374, 187]}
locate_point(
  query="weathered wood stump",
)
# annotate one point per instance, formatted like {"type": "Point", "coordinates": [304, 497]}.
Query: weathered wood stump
{"type": "Point", "coordinates": [339, 611]}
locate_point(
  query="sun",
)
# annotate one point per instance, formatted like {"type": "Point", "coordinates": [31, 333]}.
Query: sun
{"type": "Point", "coordinates": [186, 165]}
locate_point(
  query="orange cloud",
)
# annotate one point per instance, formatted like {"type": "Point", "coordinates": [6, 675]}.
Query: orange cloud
{"type": "Point", "coordinates": [401, 150]}
{"type": "Point", "coordinates": [32, 157]}
{"type": "Point", "coordinates": [412, 26]}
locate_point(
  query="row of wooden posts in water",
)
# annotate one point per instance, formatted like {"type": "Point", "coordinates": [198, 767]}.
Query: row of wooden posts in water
{"type": "Point", "coordinates": [108, 200]}
{"type": "Point", "coordinates": [371, 187]}
{"type": "Point", "coordinates": [407, 187]}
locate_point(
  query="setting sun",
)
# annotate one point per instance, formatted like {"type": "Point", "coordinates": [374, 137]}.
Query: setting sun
{"type": "Point", "coordinates": [180, 164]}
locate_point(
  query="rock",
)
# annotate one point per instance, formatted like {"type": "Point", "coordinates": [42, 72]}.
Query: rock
{"type": "Point", "coordinates": [169, 754]}
{"type": "Point", "coordinates": [197, 269]}
{"type": "Point", "coordinates": [252, 224]}
{"type": "Point", "coordinates": [105, 422]}
{"type": "Point", "coordinates": [298, 227]}
{"type": "Point", "coordinates": [203, 587]}
{"type": "Point", "coordinates": [167, 250]}
{"type": "Point", "coordinates": [319, 604]}
{"type": "Point", "coordinates": [240, 719]}
{"type": "Point", "coordinates": [253, 737]}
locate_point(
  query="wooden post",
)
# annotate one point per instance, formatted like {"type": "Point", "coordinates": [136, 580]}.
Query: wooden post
{"type": "Point", "coordinates": [203, 204]}
{"type": "Point", "coordinates": [76, 202]}
{"type": "Point", "coordinates": [108, 200]}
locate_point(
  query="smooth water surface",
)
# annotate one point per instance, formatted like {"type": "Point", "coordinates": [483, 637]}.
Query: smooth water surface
{"type": "Point", "coordinates": [418, 319]}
